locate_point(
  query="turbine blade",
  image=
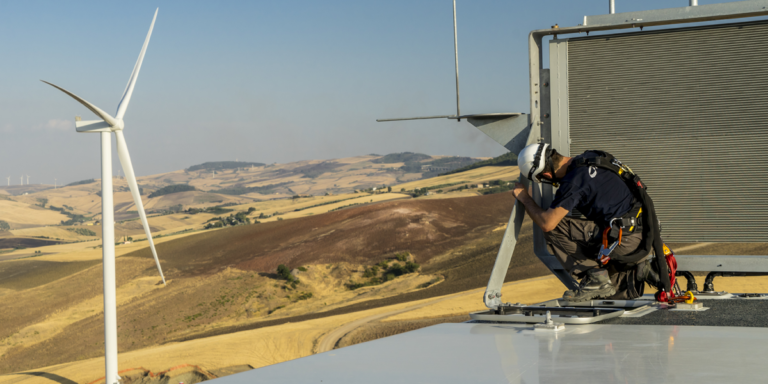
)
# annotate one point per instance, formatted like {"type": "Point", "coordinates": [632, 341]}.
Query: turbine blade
{"type": "Point", "coordinates": [135, 74]}
{"type": "Point", "coordinates": [92, 126]}
{"type": "Point", "coordinates": [109, 119]}
{"type": "Point", "coordinates": [125, 161]}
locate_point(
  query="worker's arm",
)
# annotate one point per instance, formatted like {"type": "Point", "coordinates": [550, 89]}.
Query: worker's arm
{"type": "Point", "coordinates": [546, 220]}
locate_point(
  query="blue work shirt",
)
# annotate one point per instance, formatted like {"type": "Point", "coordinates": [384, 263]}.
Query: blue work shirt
{"type": "Point", "coordinates": [596, 192]}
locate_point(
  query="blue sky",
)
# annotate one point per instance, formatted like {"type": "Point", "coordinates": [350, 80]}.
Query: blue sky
{"type": "Point", "coordinates": [267, 81]}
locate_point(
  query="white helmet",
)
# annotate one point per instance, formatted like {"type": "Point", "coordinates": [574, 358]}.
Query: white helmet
{"type": "Point", "coordinates": [532, 160]}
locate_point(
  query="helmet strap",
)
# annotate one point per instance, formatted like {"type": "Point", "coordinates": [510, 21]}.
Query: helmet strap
{"type": "Point", "coordinates": [536, 160]}
{"type": "Point", "coordinates": [549, 167]}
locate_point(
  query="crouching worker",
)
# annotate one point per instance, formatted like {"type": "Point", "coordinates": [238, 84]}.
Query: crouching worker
{"type": "Point", "coordinates": [592, 184]}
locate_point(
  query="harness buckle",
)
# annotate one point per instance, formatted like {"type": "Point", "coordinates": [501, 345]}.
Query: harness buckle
{"type": "Point", "coordinates": [625, 222]}
{"type": "Point", "coordinates": [603, 256]}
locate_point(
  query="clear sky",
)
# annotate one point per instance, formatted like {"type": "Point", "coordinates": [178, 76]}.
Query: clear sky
{"type": "Point", "coordinates": [266, 81]}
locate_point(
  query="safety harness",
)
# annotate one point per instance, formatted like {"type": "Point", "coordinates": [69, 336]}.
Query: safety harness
{"type": "Point", "coordinates": [643, 212]}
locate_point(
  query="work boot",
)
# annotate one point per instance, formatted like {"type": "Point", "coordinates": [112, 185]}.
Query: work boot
{"type": "Point", "coordinates": [646, 273]}
{"type": "Point", "coordinates": [595, 285]}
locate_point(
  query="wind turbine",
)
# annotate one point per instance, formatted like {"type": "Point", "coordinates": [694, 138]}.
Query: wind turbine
{"type": "Point", "coordinates": [9, 180]}
{"type": "Point", "coordinates": [27, 179]}
{"type": "Point", "coordinates": [105, 126]}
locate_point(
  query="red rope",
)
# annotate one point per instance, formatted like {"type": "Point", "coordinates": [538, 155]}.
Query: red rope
{"type": "Point", "coordinates": [662, 296]}
{"type": "Point", "coordinates": [672, 265]}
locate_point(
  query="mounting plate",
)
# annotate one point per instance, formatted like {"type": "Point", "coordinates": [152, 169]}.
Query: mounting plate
{"type": "Point", "coordinates": [538, 314]}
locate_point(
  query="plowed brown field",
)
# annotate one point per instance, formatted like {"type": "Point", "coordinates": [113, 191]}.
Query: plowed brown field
{"type": "Point", "coordinates": [425, 228]}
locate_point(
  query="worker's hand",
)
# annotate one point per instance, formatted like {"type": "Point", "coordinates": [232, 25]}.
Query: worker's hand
{"type": "Point", "coordinates": [519, 190]}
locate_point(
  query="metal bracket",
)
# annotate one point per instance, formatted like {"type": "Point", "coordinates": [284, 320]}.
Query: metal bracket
{"type": "Point", "coordinates": [492, 295]}
{"type": "Point", "coordinates": [536, 314]}
{"type": "Point", "coordinates": [508, 130]}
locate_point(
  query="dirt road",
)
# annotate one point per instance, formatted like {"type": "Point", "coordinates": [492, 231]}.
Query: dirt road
{"type": "Point", "coordinates": [330, 340]}
{"type": "Point", "coordinates": [530, 290]}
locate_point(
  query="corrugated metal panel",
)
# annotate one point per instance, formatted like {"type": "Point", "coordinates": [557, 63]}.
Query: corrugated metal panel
{"type": "Point", "coordinates": [687, 109]}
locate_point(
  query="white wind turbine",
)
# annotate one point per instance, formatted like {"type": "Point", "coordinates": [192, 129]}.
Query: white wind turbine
{"type": "Point", "coordinates": [105, 126]}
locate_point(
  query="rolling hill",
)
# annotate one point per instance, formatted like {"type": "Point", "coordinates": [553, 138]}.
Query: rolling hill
{"type": "Point", "coordinates": [40, 212]}
{"type": "Point", "coordinates": [224, 280]}
{"type": "Point", "coordinates": [331, 222]}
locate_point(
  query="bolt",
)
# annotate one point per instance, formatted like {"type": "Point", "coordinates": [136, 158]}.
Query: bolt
{"type": "Point", "coordinates": [498, 294]}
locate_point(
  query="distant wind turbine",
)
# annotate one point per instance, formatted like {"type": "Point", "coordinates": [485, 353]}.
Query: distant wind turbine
{"type": "Point", "coordinates": [27, 179]}
{"type": "Point", "coordinates": [104, 127]}
{"type": "Point", "coordinates": [9, 181]}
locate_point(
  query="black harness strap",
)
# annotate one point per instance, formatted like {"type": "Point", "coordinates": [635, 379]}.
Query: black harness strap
{"type": "Point", "coordinates": [536, 160]}
{"type": "Point", "coordinates": [651, 228]}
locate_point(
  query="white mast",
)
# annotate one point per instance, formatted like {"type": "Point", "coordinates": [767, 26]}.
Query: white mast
{"type": "Point", "coordinates": [456, 55]}
{"type": "Point", "coordinates": [105, 127]}
{"type": "Point", "coordinates": [108, 258]}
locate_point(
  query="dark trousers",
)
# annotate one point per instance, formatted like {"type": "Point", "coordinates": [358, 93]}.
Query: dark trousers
{"type": "Point", "coordinates": [576, 243]}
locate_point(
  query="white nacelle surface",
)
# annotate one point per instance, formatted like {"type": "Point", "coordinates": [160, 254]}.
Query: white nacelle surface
{"type": "Point", "coordinates": [496, 353]}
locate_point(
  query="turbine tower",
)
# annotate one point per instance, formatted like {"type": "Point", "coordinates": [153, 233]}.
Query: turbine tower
{"type": "Point", "coordinates": [107, 125]}
{"type": "Point", "coordinates": [9, 180]}
{"type": "Point", "coordinates": [27, 179]}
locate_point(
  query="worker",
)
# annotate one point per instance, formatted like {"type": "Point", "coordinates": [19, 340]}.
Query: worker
{"type": "Point", "coordinates": [603, 198]}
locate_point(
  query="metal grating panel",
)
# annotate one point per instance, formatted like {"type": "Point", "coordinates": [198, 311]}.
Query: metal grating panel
{"type": "Point", "coordinates": [687, 109]}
